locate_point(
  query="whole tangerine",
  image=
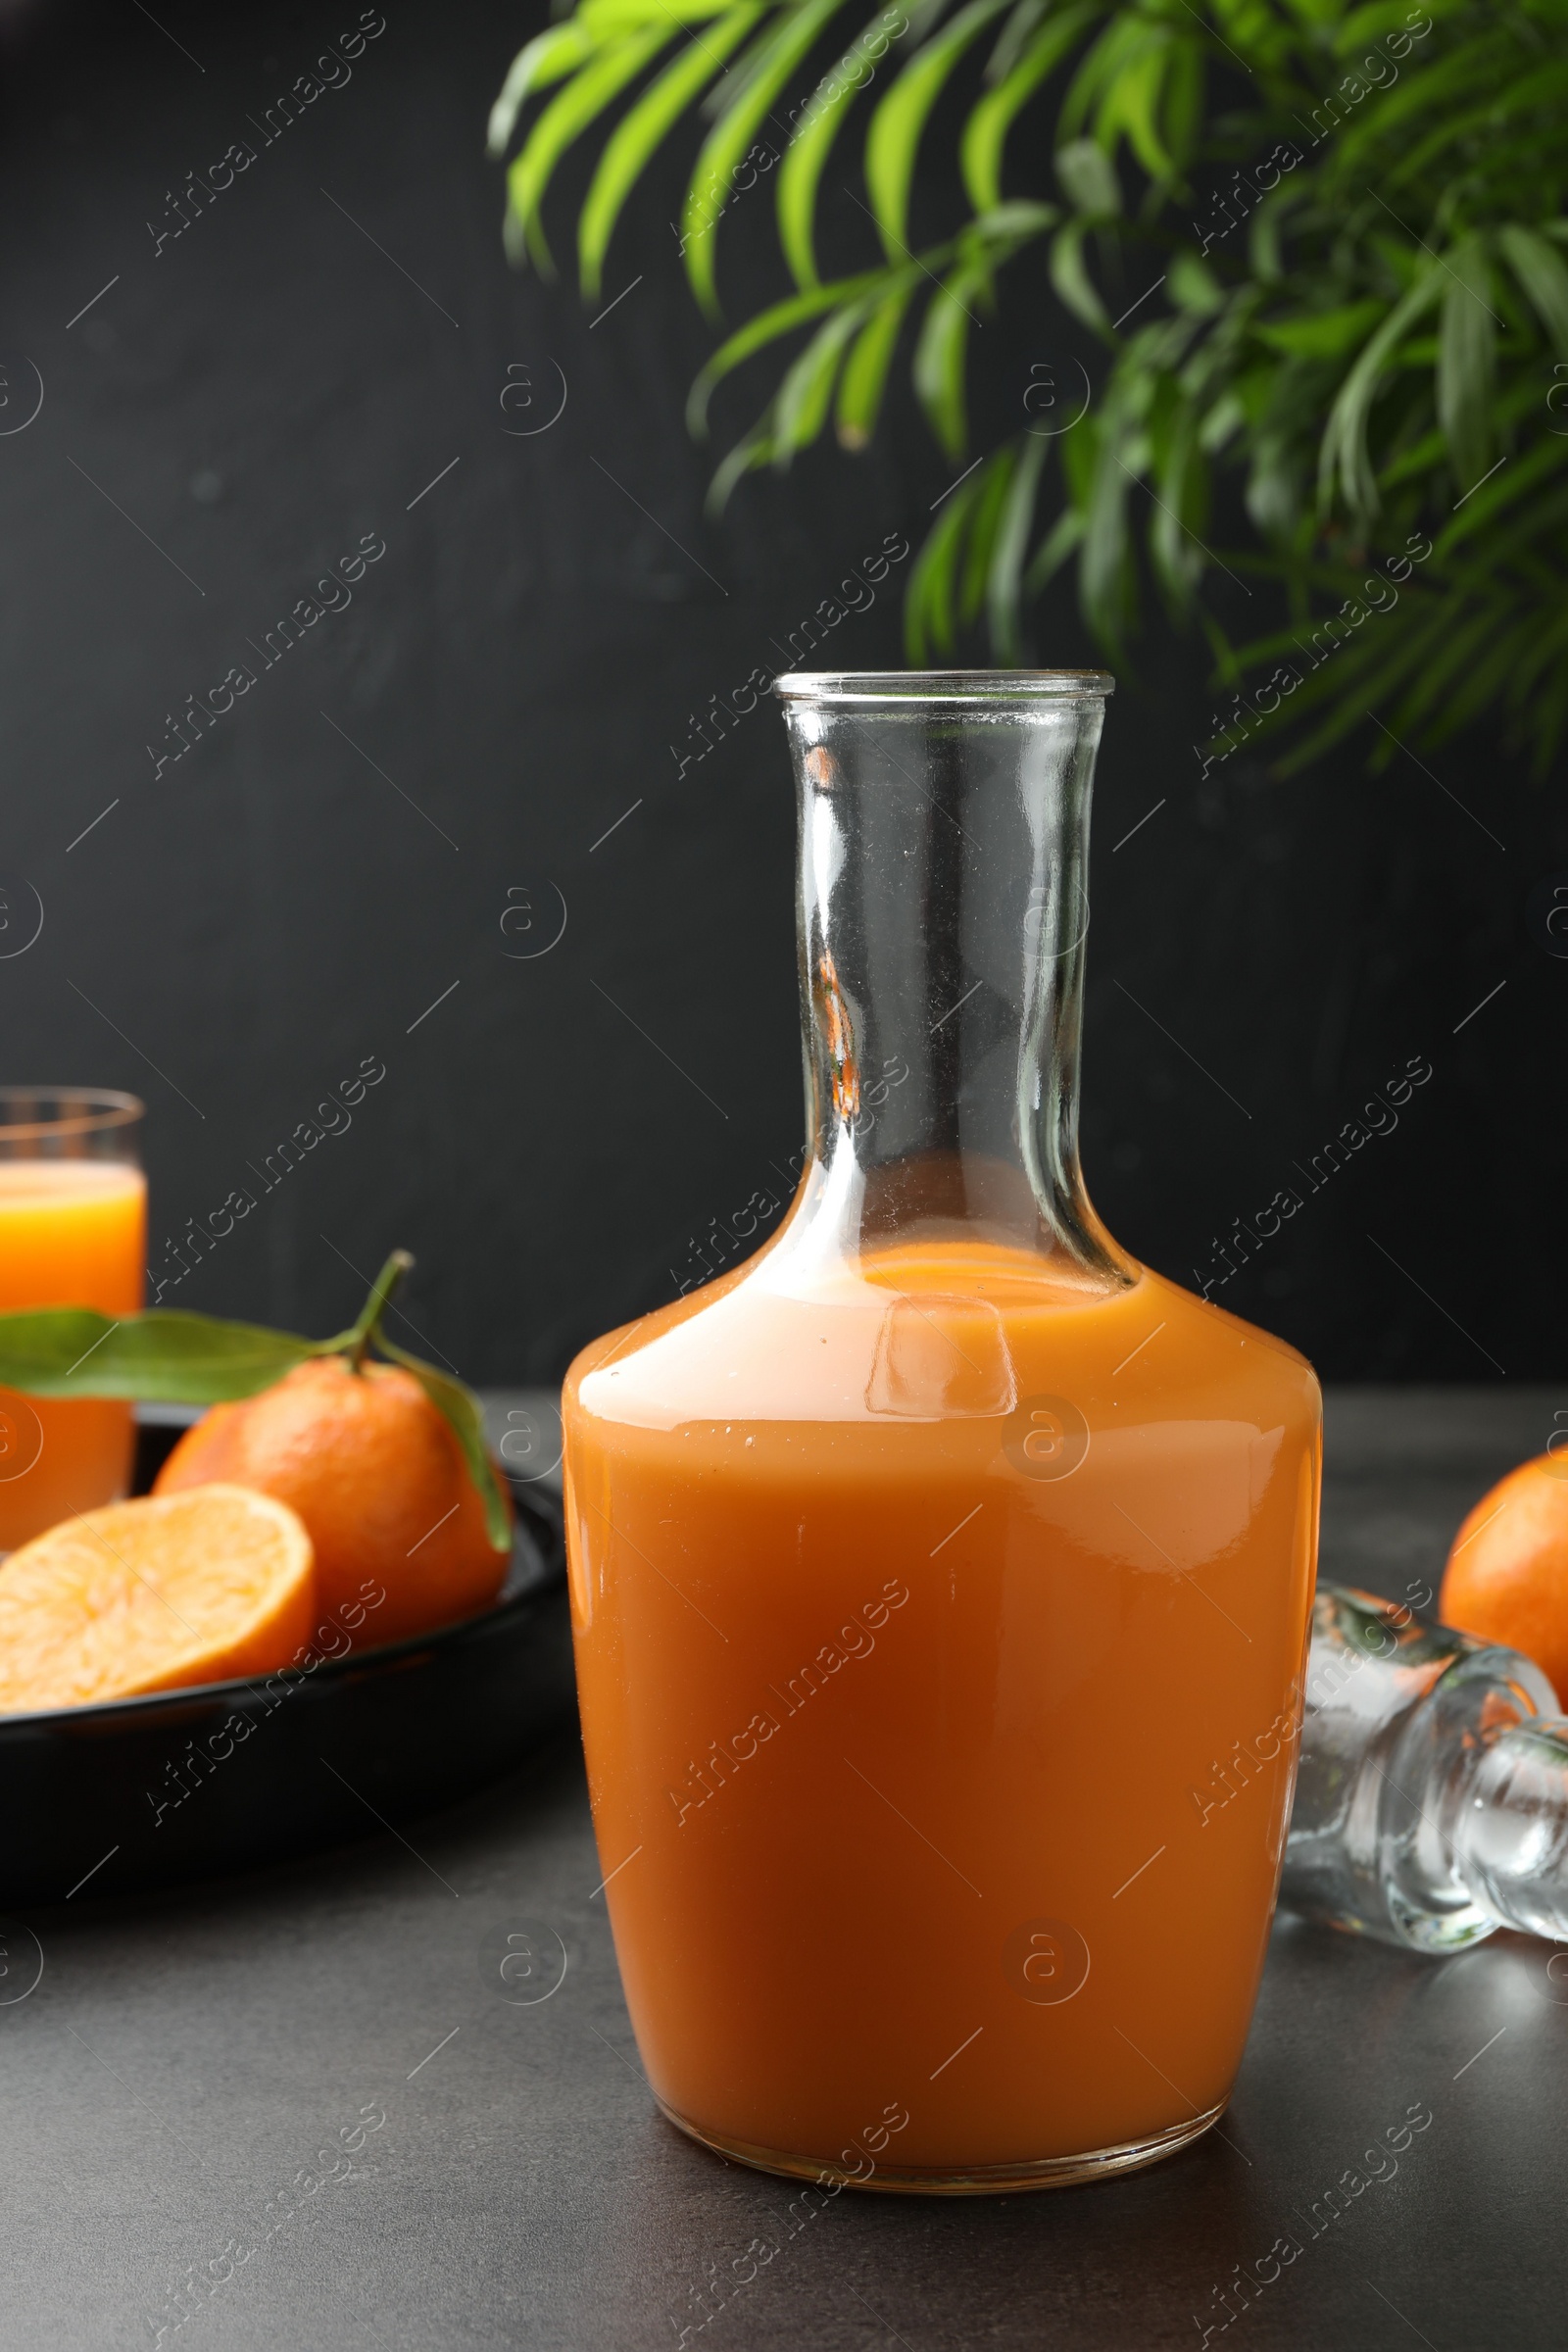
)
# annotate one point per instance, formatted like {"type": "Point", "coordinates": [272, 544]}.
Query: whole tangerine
{"type": "Point", "coordinates": [1507, 1574]}
{"type": "Point", "coordinates": [377, 1476]}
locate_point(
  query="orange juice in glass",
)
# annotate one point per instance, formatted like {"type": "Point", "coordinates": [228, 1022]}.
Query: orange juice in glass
{"type": "Point", "coordinates": [73, 1233]}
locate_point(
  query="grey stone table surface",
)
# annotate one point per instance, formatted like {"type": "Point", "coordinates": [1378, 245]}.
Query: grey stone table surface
{"type": "Point", "coordinates": [166, 2091]}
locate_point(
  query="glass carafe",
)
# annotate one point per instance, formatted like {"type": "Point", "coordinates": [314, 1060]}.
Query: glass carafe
{"type": "Point", "coordinates": [924, 1566]}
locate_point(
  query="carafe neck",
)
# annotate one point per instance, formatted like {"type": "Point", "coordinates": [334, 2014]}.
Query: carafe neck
{"type": "Point", "coordinates": [944, 913]}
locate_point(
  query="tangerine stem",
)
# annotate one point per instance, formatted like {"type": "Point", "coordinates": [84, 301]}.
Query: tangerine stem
{"type": "Point", "coordinates": [383, 1289]}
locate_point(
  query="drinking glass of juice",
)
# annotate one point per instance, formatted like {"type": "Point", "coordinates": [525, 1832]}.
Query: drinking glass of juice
{"type": "Point", "coordinates": [73, 1233]}
{"type": "Point", "coordinates": [932, 1568]}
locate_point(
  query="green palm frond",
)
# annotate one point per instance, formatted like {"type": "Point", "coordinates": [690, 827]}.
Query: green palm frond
{"type": "Point", "coordinates": [638, 135]}
{"type": "Point", "coordinates": [1350, 219]}
{"type": "Point", "coordinates": [744, 115]}
{"type": "Point", "coordinates": [894, 136]}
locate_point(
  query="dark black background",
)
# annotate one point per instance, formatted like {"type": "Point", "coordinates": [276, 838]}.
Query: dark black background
{"type": "Point", "coordinates": [235, 936]}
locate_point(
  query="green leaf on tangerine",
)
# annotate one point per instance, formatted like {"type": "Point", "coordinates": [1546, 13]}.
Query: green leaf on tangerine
{"type": "Point", "coordinates": [164, 1357]}
{"type": "Point", "coordinates": [460, 1409]}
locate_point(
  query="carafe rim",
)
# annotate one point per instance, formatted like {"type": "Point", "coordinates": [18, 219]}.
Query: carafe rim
{"type": "Point", "coordinates": [962, 686]}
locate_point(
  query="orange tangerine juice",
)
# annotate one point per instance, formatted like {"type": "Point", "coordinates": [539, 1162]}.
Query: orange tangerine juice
{"type": "Point", "coordinates": [922, 1613]}
{"type": "Point", "coordinates": [73, 1233]}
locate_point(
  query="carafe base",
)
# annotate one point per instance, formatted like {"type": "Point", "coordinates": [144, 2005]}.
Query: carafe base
{"type": "Point", "coordinates": [961, 2181]}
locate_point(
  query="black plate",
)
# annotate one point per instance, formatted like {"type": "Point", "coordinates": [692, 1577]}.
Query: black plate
{"type": "Point", "coordinates": [96, 1800]}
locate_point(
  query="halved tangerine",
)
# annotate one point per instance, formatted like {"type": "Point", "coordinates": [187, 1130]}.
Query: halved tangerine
{"type": "Point", "coordinates": [153, 1596]}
